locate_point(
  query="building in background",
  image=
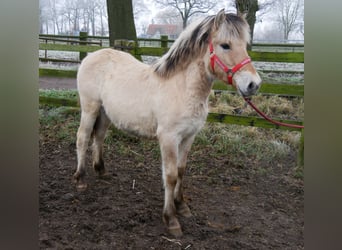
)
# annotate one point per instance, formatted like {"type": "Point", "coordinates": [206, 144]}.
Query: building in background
{"type": "Point", "coordinates": [157, 30]}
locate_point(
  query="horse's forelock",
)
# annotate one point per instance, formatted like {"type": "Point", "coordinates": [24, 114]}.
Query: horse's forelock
{"type": "Point", "coordinates": [237, 28]}
{"type": "Point", "coordinates": [194, 40]}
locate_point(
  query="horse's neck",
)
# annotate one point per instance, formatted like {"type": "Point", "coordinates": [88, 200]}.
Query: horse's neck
{"type": "Point", "coordinates": [198, 80]}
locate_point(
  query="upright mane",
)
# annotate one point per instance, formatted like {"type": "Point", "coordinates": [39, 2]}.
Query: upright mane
{"type": "Point", "coordinates": [193, 42]}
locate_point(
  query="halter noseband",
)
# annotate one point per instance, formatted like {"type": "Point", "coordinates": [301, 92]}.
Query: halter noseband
{"type": "Point", "coordinates": [230, 72]}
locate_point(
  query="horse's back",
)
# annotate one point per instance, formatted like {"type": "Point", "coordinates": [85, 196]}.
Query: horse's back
{"type": "Point", "coordinates": [101, 64]}
{"type": "Point", "coordinates": [104, 67]}
{"type": "Point", "coordinates": [123, 86]}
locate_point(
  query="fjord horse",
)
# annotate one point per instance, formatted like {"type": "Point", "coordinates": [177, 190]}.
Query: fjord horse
{"type": "Point", "coordinates": [167, 100]}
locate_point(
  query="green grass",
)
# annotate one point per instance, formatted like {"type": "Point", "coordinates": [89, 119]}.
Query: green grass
{"type": "Point", "coordinates": [59, 123]}
{"type": "Point", "coordinates": [273, 106]}
{"type": "Point", "coordinates": [246, 144]}
{"type": "Point", "coordinates": [58, 93]}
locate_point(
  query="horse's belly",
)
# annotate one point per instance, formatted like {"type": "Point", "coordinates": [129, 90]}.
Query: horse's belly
{"type": "Point", "coordinates": [143, 127]}
{"type": "Point", "coordinates": [134, 121]}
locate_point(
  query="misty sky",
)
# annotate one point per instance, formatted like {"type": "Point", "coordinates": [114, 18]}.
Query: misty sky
{"type": "Point", "coordinates": [266, 27]}
{"type": "Point", "coordinates": [267, 22]}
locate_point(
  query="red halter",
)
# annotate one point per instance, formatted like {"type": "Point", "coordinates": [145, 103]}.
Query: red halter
{"type": "Point", "coordinates": [230, 72]}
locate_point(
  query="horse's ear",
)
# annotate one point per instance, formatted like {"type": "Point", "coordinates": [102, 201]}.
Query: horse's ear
{"type": "Point", "coordinates": [220, 18]}
{"type": "Point", "coordinates": [243, 15]}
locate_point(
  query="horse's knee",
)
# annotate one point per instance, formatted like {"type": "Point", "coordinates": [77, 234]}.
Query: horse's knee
{"type": "Point", "coordinates": [170, 180]}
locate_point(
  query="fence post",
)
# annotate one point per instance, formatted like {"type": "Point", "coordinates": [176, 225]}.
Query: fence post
{"type": "Point", "coordinates": [163, 42]}
{"type": "Point", "coordinates": [129, 46]}
{"type": "Point", "coordinates": [300, 162]}
{"type": "Point", "coordinates": [46, 41]}
{"type": "Point", "coordinates": [83, 37]}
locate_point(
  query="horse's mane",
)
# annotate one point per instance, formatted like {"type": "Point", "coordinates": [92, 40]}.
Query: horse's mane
{"type": "Point", "coordinates": [193, 42]}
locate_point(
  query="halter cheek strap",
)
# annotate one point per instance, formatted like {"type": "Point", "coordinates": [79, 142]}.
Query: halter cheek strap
{"type": "Point", "coordinates": [230, 72]}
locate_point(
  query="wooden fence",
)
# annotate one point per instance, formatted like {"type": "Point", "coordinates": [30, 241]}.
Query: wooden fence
{"type": "Point", "coordinates": [157, 47]}
{"type": "Point", "coordinates": [84, 44]}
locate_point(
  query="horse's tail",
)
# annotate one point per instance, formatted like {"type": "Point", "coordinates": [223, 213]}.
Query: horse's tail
{"type": "Point", "coordinates": [96, 125]}
{"type": "Point", "coordinates": [100, 122]}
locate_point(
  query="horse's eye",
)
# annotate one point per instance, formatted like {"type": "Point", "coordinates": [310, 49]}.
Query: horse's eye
{"type": "Point", "coordinates": [225, 46]}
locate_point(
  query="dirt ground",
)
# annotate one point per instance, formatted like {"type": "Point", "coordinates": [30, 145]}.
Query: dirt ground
{"type": "Point", "coordinates": [233, 206]}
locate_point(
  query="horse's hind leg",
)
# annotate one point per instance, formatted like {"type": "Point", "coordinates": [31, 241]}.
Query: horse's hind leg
{"type": "Point", "coordinates": [181, 206]}
{"type": "Point", "coordinates": [99, 133]}
{"type": "Point", "coordinates": [88, 118]}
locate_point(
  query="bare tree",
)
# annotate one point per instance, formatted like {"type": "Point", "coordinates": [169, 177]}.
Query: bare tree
{"type": "Point", "coordinates": [188, 8]}
{"type": "Point", "coordinates": [54, 15]}
{"type": "Point", "coordinates": [140, 8]}
{"type": "Point", "coordinates": [69, 16]}
{"type": "Point", "coordinates": [251, 7]}
{"type": "Point", "coordinates": [290, 14]}
{"type": "Point", "coordinates": [44, 16]}
{"type": "Point", "coordinates": [72, 12]}
{"type": "Point", "coordinates": [102, 12]}
{"type": "Point", "coordinates": [91, 10]}
{"type": "Point", "coordinates": [120, 20]}
{"type": "Point", "coordinates": [168, 16]}
{"type": "Point", "coordinates": [301, 28]}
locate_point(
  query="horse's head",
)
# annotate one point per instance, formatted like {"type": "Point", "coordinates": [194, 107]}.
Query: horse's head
{"type": "Point", "coordinates": [229, 60]}
{"type": "Point", "coordinates": [221, 41]}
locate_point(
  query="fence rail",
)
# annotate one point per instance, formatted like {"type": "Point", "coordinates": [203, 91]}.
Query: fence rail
{"type": "Point", "coordinates": [156, 47]}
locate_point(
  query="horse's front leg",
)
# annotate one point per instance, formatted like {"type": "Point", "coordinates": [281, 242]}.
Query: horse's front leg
{"type": "Point", "coordinates": [169, 152]}
{"type": "Point", "coordinates": [184, 148]}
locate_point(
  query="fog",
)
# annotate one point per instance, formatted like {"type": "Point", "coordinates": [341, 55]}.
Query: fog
{"type": "Point", "coordinates": [58, 17]}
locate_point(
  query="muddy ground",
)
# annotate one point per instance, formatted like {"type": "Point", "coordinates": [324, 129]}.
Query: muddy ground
{"type": "Point", "coordinates": [233, 206]}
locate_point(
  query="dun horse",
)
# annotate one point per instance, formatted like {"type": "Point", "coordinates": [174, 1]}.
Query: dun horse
{"type": "Point", "coordinates": [167, 100]}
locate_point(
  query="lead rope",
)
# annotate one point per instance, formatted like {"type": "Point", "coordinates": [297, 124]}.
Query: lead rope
{"type": "Point", "coordinates": [248, 100]}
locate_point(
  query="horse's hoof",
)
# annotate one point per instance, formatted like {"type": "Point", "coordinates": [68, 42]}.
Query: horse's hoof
{"type": "Point", "coordinates": [185, 213]}
{"type": "Point", "coordinates": [99, 168]}
{"type": "Point", "coordinates": [101, 172]}
{"type": "Point", "coordinates": [81, 187]}
{"type": "Point", "coordinates": [78, 180]}
{"type": "Point", "coordinates": [173, 226]}
{"type": "Point", "coordinates": [175, 231]}
{"type": "Point", "coordinates": [184, 210]}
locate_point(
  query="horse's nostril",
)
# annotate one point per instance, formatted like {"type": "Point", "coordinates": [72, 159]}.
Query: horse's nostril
{"type": "Point", "coordinates": [252, 86]}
